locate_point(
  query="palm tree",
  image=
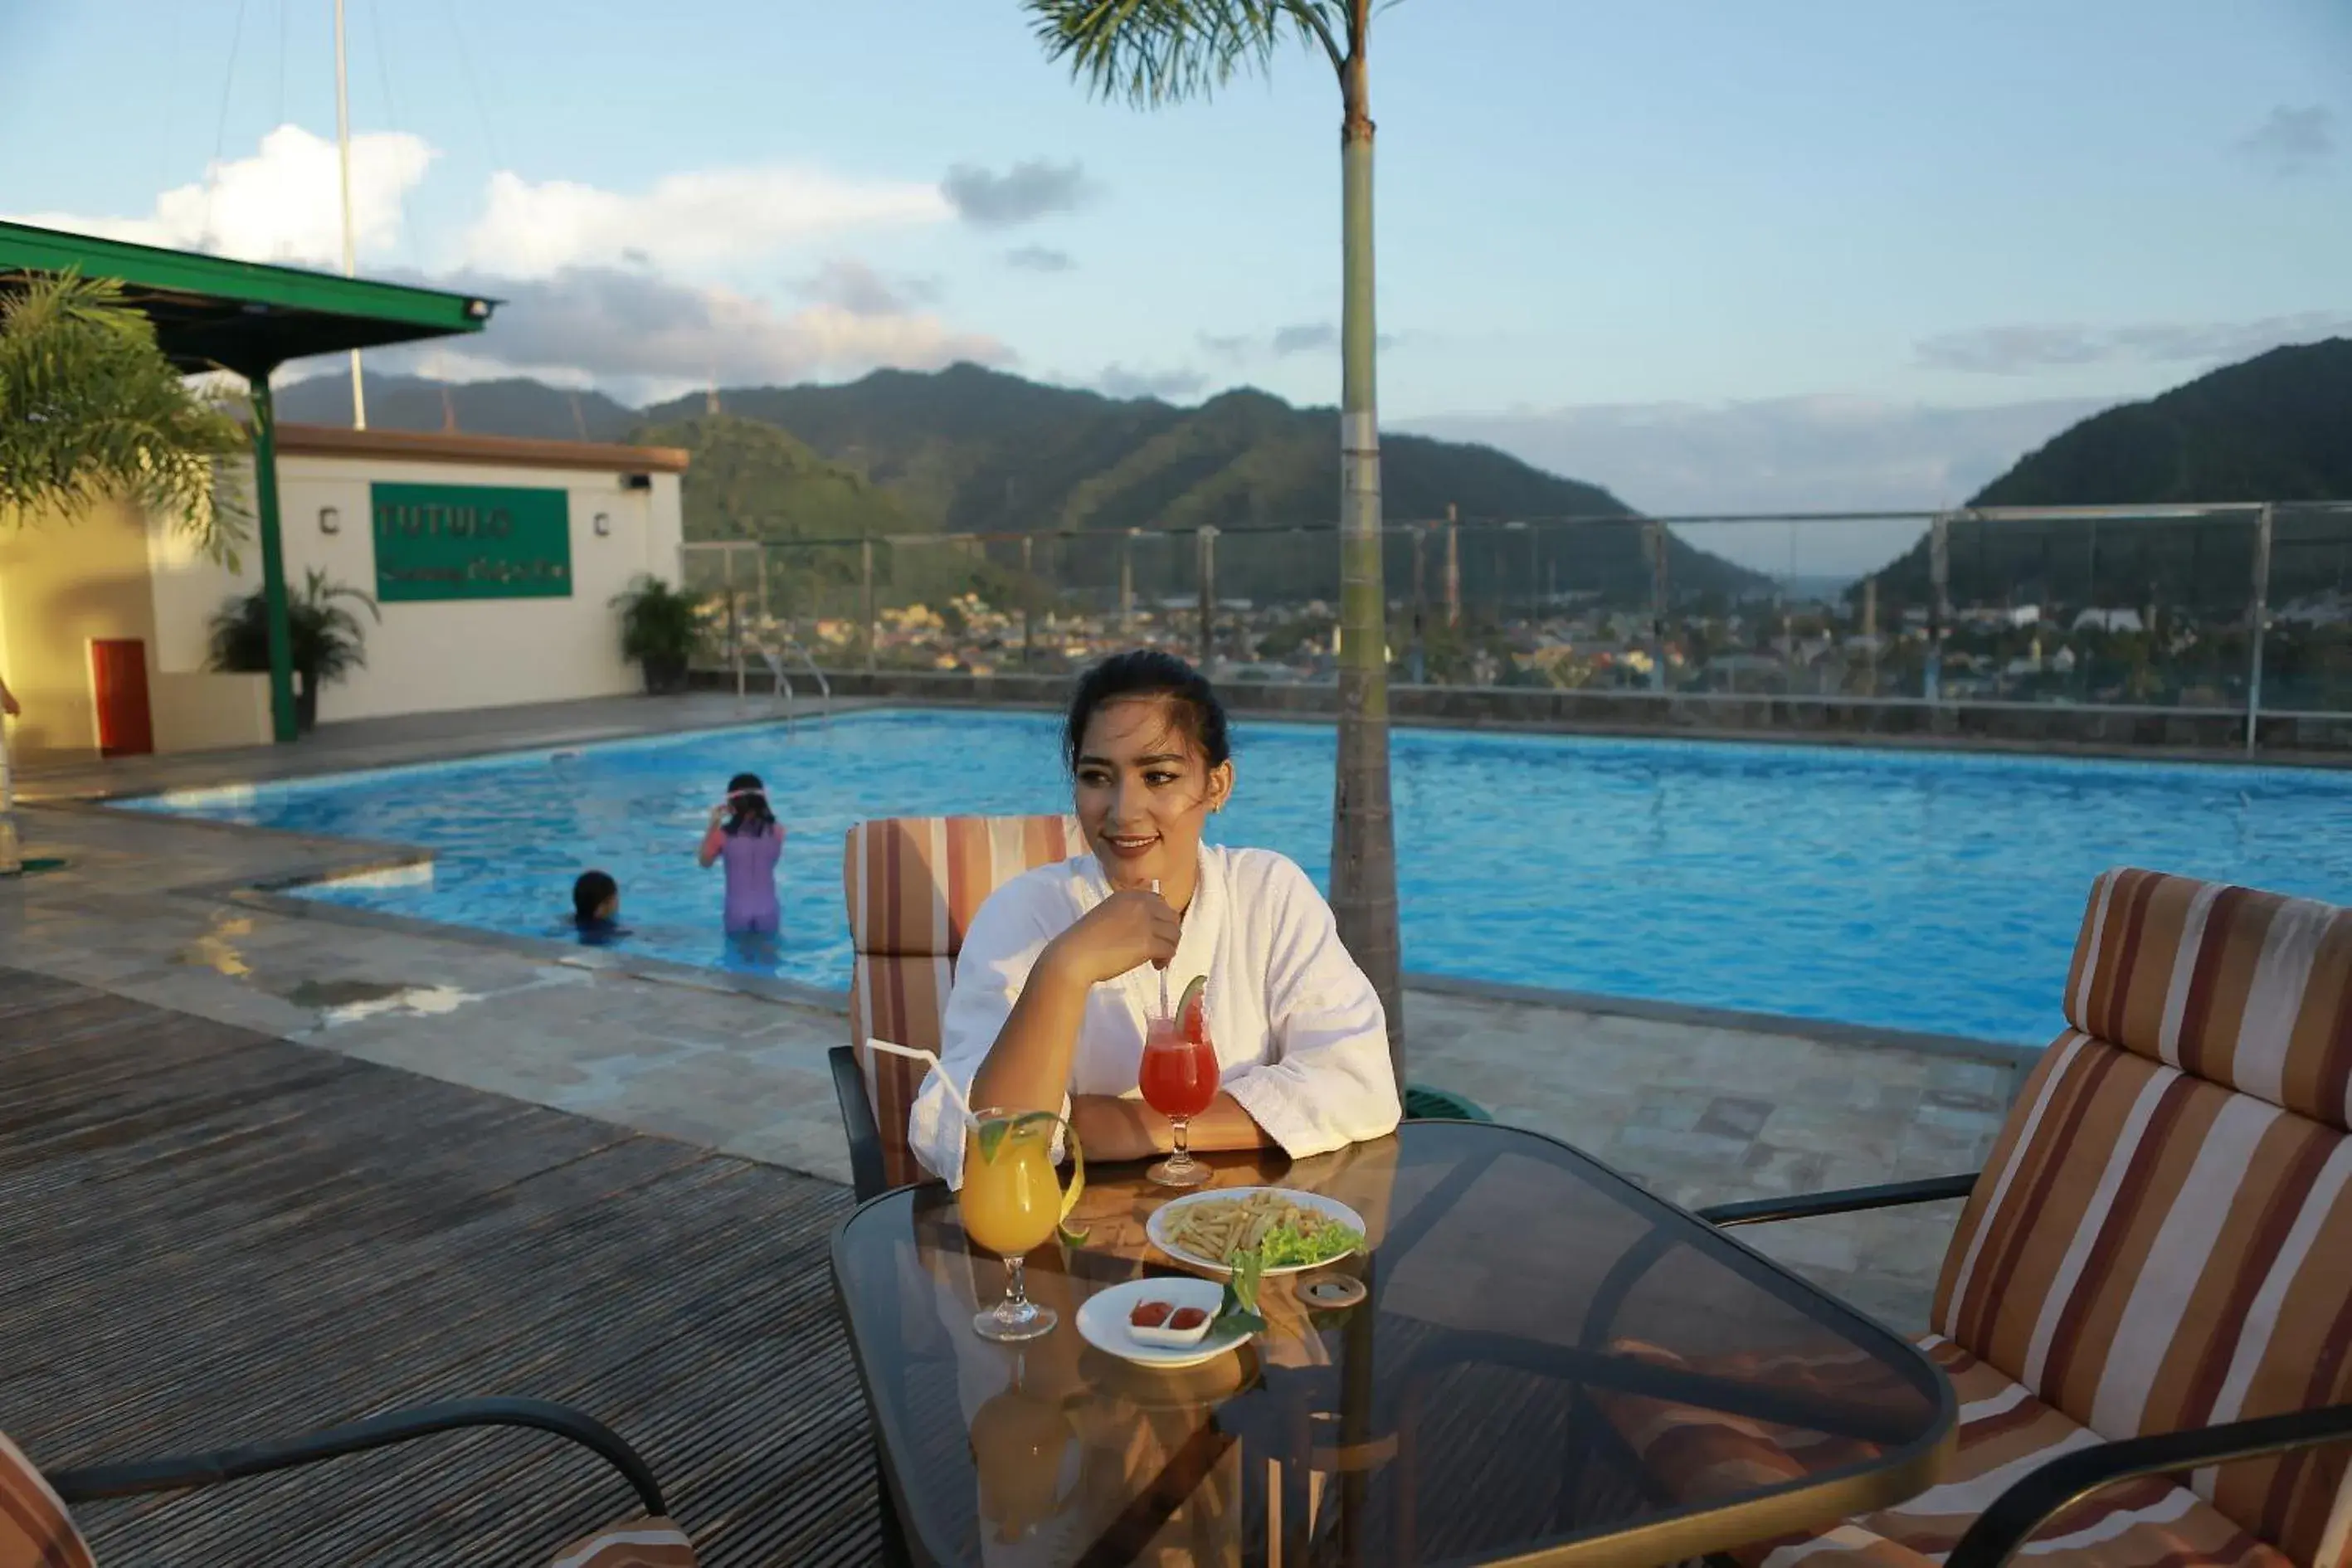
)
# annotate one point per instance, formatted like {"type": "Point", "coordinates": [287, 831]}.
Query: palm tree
{"type": "Point", "coordinates": [90, 411]}
{"type": "Point", "coordinates": [326, 641]}
{"type": "Point", "coordinates": [1152, 52]}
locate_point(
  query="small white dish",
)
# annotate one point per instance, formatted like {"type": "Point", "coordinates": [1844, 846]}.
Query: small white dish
{"type": "Point", "coordinates": [1103, 1322]}
{"type": "Point", "coordinates": [1156, 1227]}
{"type": "Point", "coordinates": [1166, 1335]}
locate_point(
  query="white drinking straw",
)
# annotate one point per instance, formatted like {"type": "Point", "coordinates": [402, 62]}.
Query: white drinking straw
{"type": "Point", "coordinates": [953, 1092]}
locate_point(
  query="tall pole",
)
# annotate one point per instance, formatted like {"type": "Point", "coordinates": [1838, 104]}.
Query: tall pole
{"type": "Point", "coordinates": [1940, 601]}
{"type": "Point", "coordinates": [1453, 568]}
{"type": "Point", "coordinates": [1535, 573]}
{"type": "Point", "coordinates": [866, 577]}
{"type": "Point", "coordinates": [2259, 620]}
{"type": "Point", "coordinates": [1870, 631]}
{"type": "Point", "coordinates": [1363, 830]}
{"type": "Point", "coordinates": [343, 157]}
{"type": "Point", "coordinates": [1028, 595]}
{"type": "Point", "coordinates": [1655, 533]}
{"type": "Point", "coordinates": [273, 557]}
{"type": "Point", "coordinates": [1419, 658]}
{"type": "Point", "coordinates": [1126, 584]}
{"type": "Point", "coordinates": [1208, 583]}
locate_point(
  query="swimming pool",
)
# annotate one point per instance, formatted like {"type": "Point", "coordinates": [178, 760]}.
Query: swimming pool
{"type": "Point", "coordinates": [1916, 890]}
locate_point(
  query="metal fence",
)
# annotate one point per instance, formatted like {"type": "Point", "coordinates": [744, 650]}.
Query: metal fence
{"type": "Point", "coordinates": [2242, 609]}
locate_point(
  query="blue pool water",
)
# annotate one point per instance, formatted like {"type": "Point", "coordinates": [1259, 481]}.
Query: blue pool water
{"type": "Point", "coordinates": [1910, 890]}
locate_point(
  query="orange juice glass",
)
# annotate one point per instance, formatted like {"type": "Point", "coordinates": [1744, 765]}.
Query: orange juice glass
{"type": "Point", "coordinates": [1010, 1202]}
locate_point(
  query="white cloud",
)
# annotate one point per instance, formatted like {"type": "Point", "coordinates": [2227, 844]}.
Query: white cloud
{"type": "Point", "coordinates": [687, 222]}
{"type": "Point", "coordinates": [1118, 381]}
{"type": "Point", "coordinates": [1821, 454]}
{"type": "Point", "coordinates": [1024, 194]}
{"type": "Point", "coordinates": [281, 204]}
{"type": "Point", "coordinates": [2289, 141]}
{"type": "Point", "coordinates": [2024, 348]}
{"type": "Point", "coordinates": [859, 290]}
{"type": "Point", "coordinates": [597, 286]}
{"type": "Point", "coordinates": [1040, 258]}
{"type": "Point", "coordinates": [641, 337]}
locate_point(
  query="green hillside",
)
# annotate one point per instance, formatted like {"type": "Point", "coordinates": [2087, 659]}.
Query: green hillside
{"type": "Point", "coordinates": [968, 449]}
{"type": "Point", "coordinates": [971, 450]}
{"type": "Point", "coordinates": [749, 480]}
{"type": "Point", "coordinates": [2277, 428]}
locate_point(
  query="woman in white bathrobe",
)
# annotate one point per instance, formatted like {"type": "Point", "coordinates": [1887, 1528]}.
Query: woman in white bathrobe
{"type": "Point", "coordinates": [1058, 970]}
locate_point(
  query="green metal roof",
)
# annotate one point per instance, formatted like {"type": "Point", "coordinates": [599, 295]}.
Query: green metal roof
{"type": "Point", "coordinates": [212, 313]}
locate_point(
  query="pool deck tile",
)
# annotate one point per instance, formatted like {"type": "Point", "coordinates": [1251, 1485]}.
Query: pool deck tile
{"type": "Point", "coordinates": [1699, 1112]}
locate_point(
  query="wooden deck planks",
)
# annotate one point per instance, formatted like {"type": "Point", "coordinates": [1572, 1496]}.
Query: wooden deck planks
{"type": "Point", "coordinates": [210, 1237]}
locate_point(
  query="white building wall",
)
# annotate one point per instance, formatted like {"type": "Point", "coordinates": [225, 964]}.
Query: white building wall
{"type": "Point", "coordinates": [435, 656]}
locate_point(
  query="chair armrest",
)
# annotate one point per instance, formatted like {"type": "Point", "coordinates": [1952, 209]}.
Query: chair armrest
{"type": "Point", "coordinates": [1844, 1200]}
{"type": "Point", "coordinates": [866, 1173]}
{"type": "Point", "coordinates": [2018, 1513]}
{"type": "Point", "coordinates": [358, 1438]}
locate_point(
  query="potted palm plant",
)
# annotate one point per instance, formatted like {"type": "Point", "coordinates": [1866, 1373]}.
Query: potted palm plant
{"type": "Point", "coordinates": [659, 624]}
{"type": "Point", "coordinates": [327, 641]}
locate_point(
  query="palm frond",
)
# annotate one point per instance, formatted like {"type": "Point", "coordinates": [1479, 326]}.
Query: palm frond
{"type": "Point", "coordinates": [325, 641]}
{"type": "Point", "coordinates": [90, 411]}
{"type": "Point", "coordinates": [1152, 52]}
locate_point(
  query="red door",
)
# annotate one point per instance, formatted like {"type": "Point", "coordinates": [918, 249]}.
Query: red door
{"type": "Point", "coordinates": [118, 674]}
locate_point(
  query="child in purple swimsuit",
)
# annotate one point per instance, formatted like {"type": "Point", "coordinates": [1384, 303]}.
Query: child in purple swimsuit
{"type": "Point", "coordinates": [745, 835]}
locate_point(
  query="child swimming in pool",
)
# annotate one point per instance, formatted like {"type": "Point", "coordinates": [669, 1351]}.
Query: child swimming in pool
{"type": "Point", "coordinates": [745, 834]}
{"type": "Point", "coordinates": [596, 908]}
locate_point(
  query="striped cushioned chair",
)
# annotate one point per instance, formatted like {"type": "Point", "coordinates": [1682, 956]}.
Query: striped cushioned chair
{"type": "Point", "coordinates": [2153, 1271]}
{"type": "Point", "coordinates": [36, 1531]}
{"type": "Point", "coordinates": [911, 885]}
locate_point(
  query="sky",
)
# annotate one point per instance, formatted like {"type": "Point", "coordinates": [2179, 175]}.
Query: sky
{"type": "Point", "coordinates": [1829, 255]}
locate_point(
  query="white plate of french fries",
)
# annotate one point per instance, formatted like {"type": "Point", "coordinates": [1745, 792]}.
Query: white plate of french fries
{"type": "Point", "coordinates": [1206, 1229]}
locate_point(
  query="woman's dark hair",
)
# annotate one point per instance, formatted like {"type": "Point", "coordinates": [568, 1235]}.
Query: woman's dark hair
{"type": "Point", "coordinates": [1147, 672]}
{"type": "Point", "coordinates": [589, 893]}
{"type": "Point", "coordinates": [748, 797]}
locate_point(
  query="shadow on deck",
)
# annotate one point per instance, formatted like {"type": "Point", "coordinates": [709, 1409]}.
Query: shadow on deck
{"type": "Point", "coordinates": [214, 1237]}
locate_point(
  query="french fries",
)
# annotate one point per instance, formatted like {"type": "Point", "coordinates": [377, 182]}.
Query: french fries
{"type": "Point", "coordinates": [1219, 1229]}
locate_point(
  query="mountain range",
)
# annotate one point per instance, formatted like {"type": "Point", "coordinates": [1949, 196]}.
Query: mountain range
{"type": "Point", "coordinates": [966, 449]}
{"type": "Point", "coordinates": [971, 450]}
{"type": "Point", "coordinates": [2276, 428]}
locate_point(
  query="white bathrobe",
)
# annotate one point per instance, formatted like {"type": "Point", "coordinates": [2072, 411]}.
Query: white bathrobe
{"type": "Point", "coordinates": [1298, 1029]}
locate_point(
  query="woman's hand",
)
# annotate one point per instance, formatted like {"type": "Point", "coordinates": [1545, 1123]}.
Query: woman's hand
{"type": "Point", "coordinates": [718, 814]}
{"type": "Point", "coordinates": [1124, 930]}
{"type": "Point", "coordinates": [1113, 1130]}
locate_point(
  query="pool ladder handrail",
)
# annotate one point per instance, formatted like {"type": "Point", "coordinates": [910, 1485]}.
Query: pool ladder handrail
{"type": "Point", "coordinates": [772, 655]}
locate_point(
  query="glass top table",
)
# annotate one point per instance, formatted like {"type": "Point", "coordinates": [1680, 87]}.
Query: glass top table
{"type": "Point", "coordinates": [1549, 1366]}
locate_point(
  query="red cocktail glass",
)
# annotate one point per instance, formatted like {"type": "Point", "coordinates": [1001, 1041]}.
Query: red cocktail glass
{"type": "Point", "coordinates": [1179, 1078]}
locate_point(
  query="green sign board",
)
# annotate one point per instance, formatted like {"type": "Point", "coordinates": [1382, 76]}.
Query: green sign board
{"type": "Point", "coordinates": [470, 541]}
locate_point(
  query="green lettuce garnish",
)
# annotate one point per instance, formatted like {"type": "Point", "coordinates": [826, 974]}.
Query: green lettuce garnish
{"type": "Point", "coordinates": [1294, 1246]}
{"type": "Point", "coordinates": [1238, 1307]}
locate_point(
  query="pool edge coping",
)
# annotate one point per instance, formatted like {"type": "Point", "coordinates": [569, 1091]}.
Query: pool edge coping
{"type": "Point", "coordinates": [794, 993]}
{"type": "Point", "coordinates": [343, 858]}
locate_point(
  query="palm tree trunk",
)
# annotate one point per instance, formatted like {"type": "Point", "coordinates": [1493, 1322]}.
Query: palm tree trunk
{"type": "Point", "coordinates": [1363, 840]}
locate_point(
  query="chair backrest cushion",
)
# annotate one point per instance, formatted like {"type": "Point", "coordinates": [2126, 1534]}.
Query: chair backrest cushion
{"type": "Point", "coordinates": [35, 1530]}
{"type": "Point", "coordinates": [640, 1544]}
{"type": "Point", "coordinates": [2162, 1238]}
{"type": "Point", "coordinates": [911, 886]}
{"type": "Point", "coordinates": [2248, 990]}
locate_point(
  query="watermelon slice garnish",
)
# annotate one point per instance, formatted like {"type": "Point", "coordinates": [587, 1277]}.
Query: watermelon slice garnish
{"type": "Point", "coordinates": [1193, 1011]}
